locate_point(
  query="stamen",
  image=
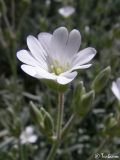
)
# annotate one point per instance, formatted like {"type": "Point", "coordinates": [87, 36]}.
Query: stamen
{"type": "Point", "coordinates": [57, 68]}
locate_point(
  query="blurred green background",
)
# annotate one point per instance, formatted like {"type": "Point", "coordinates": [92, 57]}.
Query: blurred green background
{"type": "Point", "coordinates": [99, 24]}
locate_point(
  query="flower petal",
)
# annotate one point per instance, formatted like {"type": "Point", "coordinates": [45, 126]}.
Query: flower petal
{"type": "Point", "coordinates": [84, 56]}
{"type": "Point", "coordinates": [32, 138]}
{"type": "Point", "coordinates": [118, 83]}
{"type": "Point", "coordinates": [29, 130]}
{"type": "Point", "coordinates": [45, 39]}
{"type": "Point", "coordinates": [29, 70]}
{"type": "Point", "coordinates": [73, 43]}
{"type": "Point", "coordinates": [80, 67]}
{"type": "Point", "coordinates": [66, 11]}
{"type": "Point", "coordinates": [24, 140]}
{"type": "Point", "coordinates": [58, 43]}
{"type": "Point", "coordinates": [44, 74]}
{"type": "Point", "coordinates": [115, 90]}
{"type": "Point", "coordinates": [38, 72]}
{"type": "Point", "coordinates": [25, 57]}
{"type": "Point", "coordinates": [37, 50]}
{"type": "Point", "coordinates": [66, 77]}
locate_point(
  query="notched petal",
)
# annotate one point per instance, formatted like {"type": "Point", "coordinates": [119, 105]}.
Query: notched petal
{"type": "Point", "coordinates": [84, 56]}
{"type": "Point", "coordinates": [25, 57]}
{"type": "Point", "coordinates": [73, 43]}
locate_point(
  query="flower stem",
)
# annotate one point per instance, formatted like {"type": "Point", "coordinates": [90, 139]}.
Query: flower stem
{"type": "Point", "coordinates": [60, 115]}
{"type": "Point", "coordinates": [53, 151]}
{"type": "Point", "coordinates": [58, 127]}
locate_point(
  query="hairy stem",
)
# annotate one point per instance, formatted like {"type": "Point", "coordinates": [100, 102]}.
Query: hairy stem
{"type": "Point", "coordinates": [60, 114]}
{"type": "Point", "coordinates": [53, 151]}
{"type": "Point", "coordinates": [58, 127]}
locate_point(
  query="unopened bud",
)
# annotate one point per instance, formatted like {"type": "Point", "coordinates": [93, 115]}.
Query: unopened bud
{"type": "Point", "coordinates": [48, 122]}
{"type": "Point", "coordinates": [101, 79]}
{"type": "Point", "coordinates": [86, 102]}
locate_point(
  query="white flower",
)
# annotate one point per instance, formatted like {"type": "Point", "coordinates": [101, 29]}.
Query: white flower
{"type": "Point", "coordinates": [87, 29]}
{"type": "Point", "coordinates": [48, 2]}
{"type": "Point", "coordinates": [54, 56]}
{"type": "Point", "coordinates": [116, 88]}
{"type": "Point", "coordinates": [66, 11]}
{"type": "Point", "coordinates": [28, 136]}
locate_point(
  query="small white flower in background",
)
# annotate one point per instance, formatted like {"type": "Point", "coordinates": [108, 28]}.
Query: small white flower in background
{"type": "Point", "coordinates": [48, 2]}
{"type": "Point", "coordinates": [55, 56]}
{"type": "Point", "coordinates": [66, 11]}
{"type": "Point", "coordinates": [58, 0]}
{"type": "Point", "coordinates": [87, 29]}
{"type": "Point", "coordinates": [116, 88]}
{"type": "Point", "coordinates": [28, 136]}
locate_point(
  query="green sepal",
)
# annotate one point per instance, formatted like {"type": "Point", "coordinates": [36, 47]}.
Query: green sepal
{"type": "Point", "coordinates": [56, 86]}
{"type": "Point", "coordinates": [101, 79]}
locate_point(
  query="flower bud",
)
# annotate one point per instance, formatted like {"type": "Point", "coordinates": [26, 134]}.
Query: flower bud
{"type": "Point", "coordinates": [86, 102]}
{"type": "Point", "coordinates": [48, 122]}
{"type": "Point", "coordinates": [111, 126]}
{"type": "Point", "coordinates": [38, 117]}
{"type": "Point", "coordinates": [43, 119]}
{"type": "Point", "coordinates": [110, 121]}
{"type": "Point", "coordinates": [101, 79]}
{"type": "Point", "coordinates": [79, 91]}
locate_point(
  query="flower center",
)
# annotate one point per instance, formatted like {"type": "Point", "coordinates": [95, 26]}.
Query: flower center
{"type": "Point", "coordinates": [58, 68]}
